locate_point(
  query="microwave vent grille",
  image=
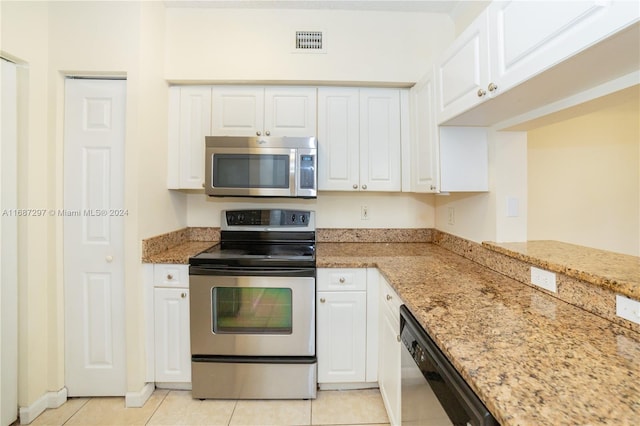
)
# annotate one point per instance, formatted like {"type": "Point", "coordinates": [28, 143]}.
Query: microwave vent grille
{"type": "Point", "coordinates": [309, 41]}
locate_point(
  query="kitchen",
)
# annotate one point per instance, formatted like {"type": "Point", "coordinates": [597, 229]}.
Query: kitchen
{"type": "Point", "coordinates": [152, 44]}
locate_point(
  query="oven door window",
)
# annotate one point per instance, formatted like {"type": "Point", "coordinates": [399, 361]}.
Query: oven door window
{"type": "Point", "coordinates": [251, 310]}
{"type": "Point", "coordinates": [251, 171]}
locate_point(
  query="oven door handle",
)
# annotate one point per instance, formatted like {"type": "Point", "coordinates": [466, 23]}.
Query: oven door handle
{"type": "Point", "coordinates": [236, 271]}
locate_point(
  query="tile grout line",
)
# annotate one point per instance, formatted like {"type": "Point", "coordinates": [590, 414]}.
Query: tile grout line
{"type": "Point", "coordinates": [75, 412]}
{"type": "Point", "coordinates": [235, 405]}
{"type": "Point", "coordinates": [158, 407]}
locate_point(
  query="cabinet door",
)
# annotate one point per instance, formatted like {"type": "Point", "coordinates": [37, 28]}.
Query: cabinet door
{"type": "Point", "coordinates": [462, 74]}
{"type": "Point", "coordinates": [380, 140]}
{"type": "Point", "coordinates": [338, 139]}
{"type": "Point", "coordinates": [529, 37]}
{"type": "Point", "coordinates": [389, 371]}
{"type": "Point", "coordinates": [424, 144]}
{"type": "Point", "coordinates": [172, 343]}
{"type": "Point", "coordinates": [194, 125]}
{"type": "Point", "coordinates": [464, 161]}
{"type": "Point", "coordinates": [237, 111]}
{"type": "Point", "coordinates": [341, 337]}
{"type": "Point", "coordinates": [290, 111]}
{"type": "Point", "coordinates": [389, 351]}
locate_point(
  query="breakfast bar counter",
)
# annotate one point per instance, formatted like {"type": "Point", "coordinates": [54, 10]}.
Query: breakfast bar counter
{"type": "Point", "coordinates": [531, 358]}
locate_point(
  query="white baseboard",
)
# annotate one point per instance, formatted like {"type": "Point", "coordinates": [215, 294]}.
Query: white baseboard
{"type": "Point", "coordinates": [138, 399]}
{"type": "Point", "coordinates": [48, 400]}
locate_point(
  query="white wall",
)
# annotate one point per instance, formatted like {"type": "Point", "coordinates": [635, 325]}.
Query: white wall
{"type": "Point", "coordinates": [333, 209]}
{"type": "Point", "coordinates": [51, 40]}
{"type": "Point", "coordinates": [226, 44]}
{"type": "Point", "coordinates": [584, 176]}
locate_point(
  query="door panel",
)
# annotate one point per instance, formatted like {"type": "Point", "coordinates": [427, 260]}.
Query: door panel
{"type": "Point", "coordinates": [93, 238]}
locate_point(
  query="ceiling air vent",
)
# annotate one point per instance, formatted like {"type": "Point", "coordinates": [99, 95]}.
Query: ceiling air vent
{"type": "Point", "coordinates": [309, 41]}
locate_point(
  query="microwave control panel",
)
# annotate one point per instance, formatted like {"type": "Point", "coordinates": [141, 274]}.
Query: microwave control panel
{"type": "Point", "coordinates": [307, 171]}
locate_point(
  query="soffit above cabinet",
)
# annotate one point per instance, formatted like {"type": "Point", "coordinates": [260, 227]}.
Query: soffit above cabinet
{"type": "Point", "coordinates": [613, 58]}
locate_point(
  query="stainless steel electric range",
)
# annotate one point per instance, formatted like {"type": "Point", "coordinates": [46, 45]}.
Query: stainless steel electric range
{"type": "Point", "coordinates": [252, 308]}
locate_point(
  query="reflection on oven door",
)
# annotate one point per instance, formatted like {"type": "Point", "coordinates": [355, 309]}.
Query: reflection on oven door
{"type": "Point", "coordinates": [252, 316]}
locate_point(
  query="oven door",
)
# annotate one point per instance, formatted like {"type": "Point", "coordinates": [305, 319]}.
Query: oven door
{"type": "Point", "coordinates": [251, 172]}
{"type": "Point", "coordinates": [255, 315]}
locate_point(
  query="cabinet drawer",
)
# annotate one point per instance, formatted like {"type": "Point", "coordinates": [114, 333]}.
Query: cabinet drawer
{"type": "Point", "coordinates": [342, 279]}
{"type": "Point", "coordinates": [389, 298]}
{"type": "Point", "coordinates": [170, 275]}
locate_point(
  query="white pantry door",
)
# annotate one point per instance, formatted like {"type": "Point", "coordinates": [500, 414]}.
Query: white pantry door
{"type": "Point", "coordinates": [94, 237]}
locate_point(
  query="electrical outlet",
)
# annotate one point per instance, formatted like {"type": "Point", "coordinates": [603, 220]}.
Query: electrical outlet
{"type": "Point", "coordinates": [364, 213]}
{"type": "Point", "coordinates": [628, 309]}
{"type": "Point", "coordinates": [544, 279]}
{"type": "Point", "coordinates": [451, 214]}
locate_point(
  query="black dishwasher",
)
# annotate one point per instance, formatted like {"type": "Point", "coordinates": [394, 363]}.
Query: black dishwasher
{"type": "Point", "coordinates": [432, 391]}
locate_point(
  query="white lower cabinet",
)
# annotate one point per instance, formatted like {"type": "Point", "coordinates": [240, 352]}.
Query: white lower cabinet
{"type": "Point", "coordinates": [341, 339]}
{"type": "Point", "coordinates": [344, 330]}
{"type": "Point", "coordinates": [172, 351]}
{"type": "Point", "coordinates": [389, 351]}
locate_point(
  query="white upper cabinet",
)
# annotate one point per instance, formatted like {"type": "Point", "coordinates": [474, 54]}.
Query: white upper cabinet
{"type": "Point", "coordinates": [189, 123]}
{"type": "Point", "coordinates": [380, 164]}
{"type": "Point", "coordinates": [264, 111]}
{"type": "Point", "coordinates": [359, 139]}
{"type": "Point", "coordinates": [464, 159]}
{"type": "Point", "coordinates": [338, 138]}
{"type": "Point", "coordinates": [423, 161]}
{"type": "Point", "coordinates": [462, 73]}
{"type": "Point", "coordinates": [238, 111]}
{"type": "Point", "coordinates": [537, 52]}
{"type": "Point", "coordinates": [528, 37]}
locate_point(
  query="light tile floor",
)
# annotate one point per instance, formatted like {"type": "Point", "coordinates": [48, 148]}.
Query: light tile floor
{"type": "Point", "coordinates": [170, 407]}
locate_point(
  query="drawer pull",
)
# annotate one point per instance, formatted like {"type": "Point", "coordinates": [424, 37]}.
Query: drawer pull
{"type": "Point", "coordinates": [342, 280]}
{"type": "Point", "coordinates": [398, 338]}
{"type": "Point", "coordinates": [169, 277]}
{"type": "Point", "coordinates": [322, 300]}
{"type": "Point", "coordinates": [389, 297]}
{"type": "Point", "coordinates": [183, 295]}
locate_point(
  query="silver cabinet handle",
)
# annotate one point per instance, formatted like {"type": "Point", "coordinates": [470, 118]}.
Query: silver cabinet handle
{"type": "Point", "coordinates": [183, 295]}
{"type": "Point", "coordinates": [322, 300]}
{"type": "Point", "coordinates": [342, 280]}
{"type": "Point", "coordinates": [481, 93]}
{"type": "Point", "coordinates": [492, 87]}
{"type": "Point", "coordinates": [268, 133]}
{"type": "Point", "coordinates": [169, 277]}
{"type": "Point", "coordinates": [389, 297]}
{"type": "Point", "coordinates": [258, 133]}
{"type": "Point", "coordinates": [364, 186]}
{"type": "Point", "coordinates": [355, 186]}
{"type": "Point", "coordinates": [398, 338]}
{"type": "Point", "coordinates": [433, 187]}
{"type": "Point", "coordinates": [109, 259]}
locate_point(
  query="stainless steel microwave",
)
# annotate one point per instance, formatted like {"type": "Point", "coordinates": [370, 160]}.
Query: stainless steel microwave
{"type": "Point", "coordinates": [261, 166]}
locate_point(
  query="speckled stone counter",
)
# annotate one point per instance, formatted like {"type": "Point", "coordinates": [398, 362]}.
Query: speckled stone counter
{"type": "Point", "coordinates": [178, 246]}
{"type": "Point", "coordinates": [614, 271]}
{"type": "Point", "coordinates": [532, 358]}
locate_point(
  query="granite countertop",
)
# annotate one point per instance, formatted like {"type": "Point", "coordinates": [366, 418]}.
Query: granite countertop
{"type": "Point", "coordinates": [179, 253]}
{"type": "Point", "coordinates": [617, 272]}
{"type": "Point", "coordinates": [533, 359]}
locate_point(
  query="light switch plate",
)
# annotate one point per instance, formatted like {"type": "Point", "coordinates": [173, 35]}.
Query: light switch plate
{"type": "Point", "coordinates": [628, 309]}
{"type": "Point", "coordinates": [544, 279]}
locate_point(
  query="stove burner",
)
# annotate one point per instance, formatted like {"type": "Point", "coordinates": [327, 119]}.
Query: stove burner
{"type": "Point", "coordinates": [263, 238]}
